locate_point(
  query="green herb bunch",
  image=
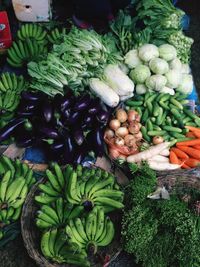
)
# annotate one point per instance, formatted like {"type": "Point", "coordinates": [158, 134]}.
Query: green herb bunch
{"type": "Point", "coordinates": [160, 233]}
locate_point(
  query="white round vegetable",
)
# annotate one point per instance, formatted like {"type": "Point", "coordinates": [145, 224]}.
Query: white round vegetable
{"type": "Point", "coordinates": [167, 90]}
{"type": "Point", "coordinates": [141, 89]}
{"type": "Point", "coordinates": [175, 64]}
{"type": "Point", "coordinates": [132, 59]}
{"type": "Point", "coordinates": [159, 66]}
{"type": "Point", "coordinates": [140, 74]}
{"type": "Point", "coordinates": [167, 52]}
{"type": "Point", "coordinates": [185, 69]}
{"type": "Point", "coordinates": [173, 78]}
{"type": "Point", "coordinates": [186, 84]}
{"type": "Point", "coordinates": [148, 52]}
{"type": "Point", "coordinates": [156, 82]}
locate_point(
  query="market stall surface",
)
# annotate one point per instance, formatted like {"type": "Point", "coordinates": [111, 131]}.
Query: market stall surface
{"type": "Point", "coordinates": [15, 255]}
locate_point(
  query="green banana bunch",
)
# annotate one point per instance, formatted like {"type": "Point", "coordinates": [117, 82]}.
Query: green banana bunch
{"type": "Point", "coordinates": [21, 52]}
{"type": "Point", "coordinates": [10, 81]}
{"type": "Point", "coordinates": [93, 232]}
{"type": "Point", "coordinates": [56, 36]}
{"type": "Point", "coordinates": [15, 180]}
{"type": "Point", "coordinates": [32, 31]}
{"type": "Point", "coordinates": [54, 246]}
{"type": "Point", "coordinates": [94, 188]}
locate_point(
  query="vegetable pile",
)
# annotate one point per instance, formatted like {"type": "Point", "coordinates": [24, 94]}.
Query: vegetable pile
{"type": "Point", "coordinates": [15, 180]}
{"type": "Point", "coordinates": [72, 214]}
{"type": "Point", "coordinates": [158, 69]}
{"type": "Point", "coordinates": [66, 127]}
{"type": "Point", "coordinates": [160, 233]}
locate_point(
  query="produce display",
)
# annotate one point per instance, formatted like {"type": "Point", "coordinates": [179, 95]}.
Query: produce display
{"type": "Point", "coordinates": [160, 232]}
{"type": "Point", "coordinates": [15, 180]}
{"type": "Point", "coordinates": [158, 69]}
{"type": "Point", "coordinates": [66, 127]}
{"type": "Point", "coordinates": [72, 207]}
{"type": "Point", "coordinates": [11, 86]}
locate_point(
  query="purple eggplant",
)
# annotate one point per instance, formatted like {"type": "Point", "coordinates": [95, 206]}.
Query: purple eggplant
{"type": "Point", "coordinates": [80, 155]}
{"type": "Point", "coordinates": [94, 106]}
{"type": "Point", "coordinates": [82, 103]}
{"type": "Point", "coordinates": [10, 128]}
{"type": "Point", "coordinates": [67, 102]}
{"type": "Point", "coordinates": [79, 137]}
{"type": "Point", "coordinates": [75, 116]}
{"type": "Point", "coordinates": [88, 119]}
{"type": "Point", "coordinates": [25, 142]}
{"type": "Point", "coordinates": [95, 141]}
{"type": "Point", "coordinates": [66, 114]}
{"type": "Point", "coordinates": [57, 146]}
{"type": "Point", "coordinates": [48, 132]}
{"type": "Point", "coordinates": [103, 116]}
{"type": "Point", "coordinates": [69, 149]}
{"type": "Point", "coordinates": [32, 96]}
{"type": "Point", "coordinates": [47, 111]}
{"type": "Point", "coordinates": [25, 114]}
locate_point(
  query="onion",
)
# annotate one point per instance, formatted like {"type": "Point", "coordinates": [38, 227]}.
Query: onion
{"type": "Point", "coordinates": [109, 133]}
{"type": "Point", "coordinates": [137, 118]}
{"type": "Point", "coordinates": [132, 115]}
{"type": "Point", "coordinates": [158, 140]}
{"type": "Point", "coordinates": [121, 115]}
{"type": "Point", "coordinates": [123, 157]}
{"type": "Point", "coordinates": [119, 141]}
{"type": "Point", "coordinates": [138, 136]}
{"type": "Point", "coordinates": [134, 127]}
{"type": "Point", "coordinates": [129, 140]}
{"type": "Point", "coordinates": [114, 124]}
{"type": "Point", "coordinates": [121, 131]}
{"type": "Point", "coordinates": [114, 153]}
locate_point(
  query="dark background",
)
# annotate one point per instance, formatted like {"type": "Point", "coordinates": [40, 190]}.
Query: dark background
{"type": "Point", "coordinates": [14, 254]}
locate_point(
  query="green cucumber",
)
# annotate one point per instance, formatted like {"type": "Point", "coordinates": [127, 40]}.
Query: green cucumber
{"type": "Point", "coordinates": [159, 118]}
{"type": "Point", "coordinates": [133, 104]}
{"type": "Point", "coordinates": [145, 116]}
{"type": "Point", "coordinates": [150, 107]}
{"type": "Point", "coordinates": [177, 135]}
{"type": "Point", "coordinates": [156, 109]}
{"type": "Point", "coordinates": [164, 105]}
{"type": "Point", "coordinates": [197, 121]}
{"type": "Point", "coordinates": [165, 97]}
{"type": "Point", "coordinates": [154, 133]}
{"type": "Point", "coordinates": [149, 125]}
{"type": "Point", "coordinates": [176, 103]}
{"type": "Point", "coordinates": [144, 134]}
{"type": "Point", "coordinates": [172, 129]}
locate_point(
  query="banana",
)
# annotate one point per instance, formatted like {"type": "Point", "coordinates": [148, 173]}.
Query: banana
{"type": "Point", "coordinates": [72, 238]}
{"type": "Point", "coordinates": [6, 101]}
{"type": "Point", "coordinates": [80, 229]}
{"type": "Point", "coordinates": [35, 28]}
{"type": "Point", "coordinates": [101, 235]}
{"type": "Point", "coordinates": [43, 224]}
{"type": "Point", "coordinates": [82, 188]}
{"type": "Point", "coordinates": [13, 56]}
{"type": "Point", "coordinates": [77, 211]}
{"type": "Point", "coordinates": [29, 177]}
{"type": "Point", "coordinates": [66, 211]}
{"type": "Point", "coordinates": [107, 209]}
{"type": "Point", "coordinates": [2, 168]}
{"type": "Point", "coordinates": [48, 190]}
{"type": "Point", "coordinates": [2, 87]}
{"type": "Point", "coordinates": [53, 180]}
{"type": "Point", "coordinates": [4, 215]}
{"type": "Point", "coordinates": [4, 184]}
{"type": "Point", "coordinates": [78, 189]}
{"type": "Point", "coordinates": [9, 80]}
{"type": "Point", "coordinates": [57, 34]}
{"type": "Point", "coordinates": [1, 234]}
{"type": "Point", "coordinates": [100, 185]}
{"type": "Point", "coordinates": [90, 184]}
{"type": "Point", "coordinates": [88, 225]}
{"type": "Point", "coordinates": [13, 63]}
{"type": "Point", "coordinates": [17, 164]}
{"type": "Point", "coordinates": [4, 80]}
{"type": "Point", "coordinates": [50, 212]}
{"type": "Point", "coordinates": [72, 188]}
{"type": "Point", "coordinates": [14, 189]}
{"type": "Point", "coordinates": [42, 36]}
{"type": "Point", "coordinates": [100, 223]}
{"type": "Point", "coordinates": [109, 202]}
{"type": "Point", "coordinates": [52, 240]}
{"type": "Point", "coordinates": [8, 164]}
{"type": "Point", "coordinates": [22, 50]}
{"type": "Point", "coordinates": [23, 32]}
{"type": "Point", "coordinates": [14, 80]}
{"type": "Point", "coordinates": [43, 216]}
{"type": "Point", "coordinates": [31, 30]}
{"type": "Point", "coordinates": [25, 169]}
{"type": "Point", "coordinates": [30, 48]}
{"type": "Point", "coordinates": [26, 29]}
{"type": "Point", "coordinates": [20, 200]}
{"type": "Point", "coordinates": [77, 259]}
{"type": "Point", "coordinates": [59, 175]}
{"type": "Point", "coordinates": [67, 172]}
{"type": "Point", "coordinates": [59, 242]}
{"type": "Point", "coordinates": [39, 32]}
{"type": "Point", "coordinates": [10, 213]}
{"type": "Point", "coordinates": [19, 35]}
{"type": "Point", "coordinates": [110, 193]}
{"type": "Point", "coordinates": [109, 234]}
{"type": "Point", "coordinates": [21, 83]}
{"type": "Point", "coordinates": [45, 245]}
{"type": "Point", "coordinates": [53, 33]}
{"type": "Point", "coordinates": [50, 38]}
{"type": "Point", "coordinates": [17, 214]}
{"type": "Point", "coordinates": [94, 223]}
{"type": "Point", "coordinates": [36, 48]}
{"type": "Point", "coordinates": [76, 233]}
{"type": "Point", "coordinates": [16, 48]}
{"type": "Point", "coordinates": [60, 209]}
{"type": "Point", "coordinates": [44, 199]}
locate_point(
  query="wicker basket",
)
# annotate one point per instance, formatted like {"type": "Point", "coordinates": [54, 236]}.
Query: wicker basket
{"type": "Point", "coordinates": [31, 235]}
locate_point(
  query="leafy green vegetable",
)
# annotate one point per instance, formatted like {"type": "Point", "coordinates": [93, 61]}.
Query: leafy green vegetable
{"type": "Point", "coordinates": [160, 233]}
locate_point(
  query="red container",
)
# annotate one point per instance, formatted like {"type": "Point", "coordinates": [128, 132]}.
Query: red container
{"type": "Point", "coordinates": [5, 33]}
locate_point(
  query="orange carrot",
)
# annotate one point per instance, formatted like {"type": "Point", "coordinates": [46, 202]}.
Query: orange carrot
{"type": "Point", "coordinates": [194, 153]}
{"type": "Point", "coordinates": [197, 147]}
{"type": "Point", "coordinates": [189, 143]}
{"type": "Point", "coordinates": [180, 154]}
{"type": "Point", "coordinates": [192, 162]}
{"type": "Point", "coordinates": [196, 134]}
{"type": "Point", "coordinates": [190, 134]}
{"type": "Point", "coordinates": [185, 166]}
{"type": "Point", "coordinates": [173, 158]}
{"type": "Point", "coordinates": [193, 129]}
